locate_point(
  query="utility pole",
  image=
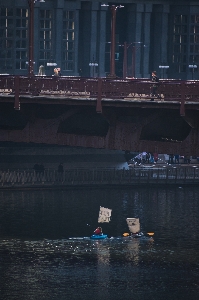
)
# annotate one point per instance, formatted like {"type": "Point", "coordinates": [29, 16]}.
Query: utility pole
{"type": "Point", "coordinates": [31, 38]}
{"type": "Point", "coordinates": [112, 50]}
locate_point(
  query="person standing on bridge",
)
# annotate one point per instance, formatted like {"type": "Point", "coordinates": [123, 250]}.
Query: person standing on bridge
{"type": "Point", "coordinates": [57, 72]}
{"type": "Point", "coordinates": [155, 80]}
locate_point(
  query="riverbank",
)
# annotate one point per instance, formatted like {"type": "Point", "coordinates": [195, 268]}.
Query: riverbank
{"type": "Point", "coordinates": [168, 175]}
{"type": "Point", "coordinates": [25, 157]}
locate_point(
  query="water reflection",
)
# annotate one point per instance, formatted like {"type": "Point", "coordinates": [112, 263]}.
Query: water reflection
{"type": "Point", "coordinates": [103, 269]}
{"type": "Point", "coordinates": [46, 252]}
{"type": "Point", "coordinates": [133, 251]}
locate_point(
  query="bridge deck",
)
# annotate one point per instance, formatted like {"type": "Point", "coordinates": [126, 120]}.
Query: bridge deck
{"type": "Point", "coordinates": [129, 117]}
{"type": "Point", "coordinates": [49, 89]}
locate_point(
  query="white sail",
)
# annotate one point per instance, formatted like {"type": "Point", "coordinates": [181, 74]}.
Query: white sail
{"type": "Point", "coordinates": [104, 215]}
{"type": "Point", "coordinates": [133, 224]}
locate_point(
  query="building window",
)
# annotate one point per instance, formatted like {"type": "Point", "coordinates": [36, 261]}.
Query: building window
{"type": "Point", "coordinates": [21, 38]}
{"type": "Point", "coordinates": [194, 40]}
{"type": "Point", "coordinates": [180, 34]}
{"type": "Point", "coordinates": [13, 39]}
{"type": "Point", "coordinates": [68, 40]}
{"type": "Point", "coordinates": [45, 41]}
{"type": "Point", "coordinates": [6, 39]}
{"type": "Point", "coordinates": [185, 42]}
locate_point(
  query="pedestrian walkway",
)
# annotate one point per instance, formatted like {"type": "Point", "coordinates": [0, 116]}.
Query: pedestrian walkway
{"type": "Point", "coordinates": [154, 175]}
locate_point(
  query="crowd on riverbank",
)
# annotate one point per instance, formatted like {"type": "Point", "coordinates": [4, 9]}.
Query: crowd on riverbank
{"type": "Point", "coordinates": [148, 158]}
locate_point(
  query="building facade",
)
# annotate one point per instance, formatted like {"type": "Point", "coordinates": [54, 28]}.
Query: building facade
{"type": "Point", "coordinates": [76, 35]}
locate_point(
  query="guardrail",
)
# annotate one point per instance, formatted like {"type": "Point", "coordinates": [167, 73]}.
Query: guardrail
{"type": "Point", "coordinates": [93, 177]}
{"type": "Point", "coordinates": [99, 88]}
{"type": "Point", "coordinates": [89, 87]}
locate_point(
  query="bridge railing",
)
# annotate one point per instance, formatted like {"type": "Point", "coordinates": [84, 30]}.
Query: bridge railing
{"type": "Point", "coordinates": [100, 88]}
{"type": "Point", "coordinates": [81, 177]}
{"type": "Point", "coordinates": [110, 88]}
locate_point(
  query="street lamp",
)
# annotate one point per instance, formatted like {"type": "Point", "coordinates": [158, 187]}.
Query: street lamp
{"type": "Point", "coordinates": [163, 67]}
{"type": "Point", "coordinates": [52, 64]}
{"type": "Point", "coordinates": [112, 50]}
{"type": "Point", "coordinates": [125, 60]}
{"type": "Point", "coordinates": [193, 67]}
{"type": "Point", "coordinates": [31, 36]}
{"type": "Point", "coordinates": [93, 64]}
{"type": "Point", "coordinates": [126, 46]}
{"type": "Point", "coordinates": [134, 48]}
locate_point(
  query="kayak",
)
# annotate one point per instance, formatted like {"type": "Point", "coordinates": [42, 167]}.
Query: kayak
{"type": "Point", "coordinates": [99, 237]}
{"type": "Point", "coordinates": [135, 235]}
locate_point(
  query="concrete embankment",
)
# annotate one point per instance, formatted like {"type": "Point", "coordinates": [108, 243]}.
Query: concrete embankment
{"type": "Point", "coordinates": [25, 157]}
{"type": "Point", "coordinates": [17, 179]}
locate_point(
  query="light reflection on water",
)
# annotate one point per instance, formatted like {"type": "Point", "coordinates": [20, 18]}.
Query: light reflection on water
{"type": "Point", "coordinates": [44, 253]}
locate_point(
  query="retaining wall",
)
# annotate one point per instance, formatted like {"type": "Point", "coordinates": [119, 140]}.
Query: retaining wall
{"type": "Point", "coordinates": [93, 177]}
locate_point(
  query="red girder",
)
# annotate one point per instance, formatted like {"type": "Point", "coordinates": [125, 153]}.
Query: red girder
{"type": "Point", "coordinates": [169, 90]}
{"type": "Point", "coordinates": [106, 94]}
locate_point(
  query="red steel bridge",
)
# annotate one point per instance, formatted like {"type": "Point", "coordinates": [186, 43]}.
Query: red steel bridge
{"type": "Point", "coordinates": [101, 113]}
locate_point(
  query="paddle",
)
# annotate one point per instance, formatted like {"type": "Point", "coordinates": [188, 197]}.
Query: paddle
{"type": "Point", "coordinates": [149, 233]}
{"type": "Point", "coordinates": [125, 234]}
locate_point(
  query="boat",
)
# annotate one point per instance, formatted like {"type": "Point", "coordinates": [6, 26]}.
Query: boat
{"type": "Point", "coordinates": [133, 225]}
{"type": "Point", "coordinates": [134, 228]}
{"type": "Point", "coordinates": [104, 217]}
{"type": "Point", "coordinates": [98, 236]}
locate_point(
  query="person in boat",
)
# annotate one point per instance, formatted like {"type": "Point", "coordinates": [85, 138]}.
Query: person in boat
{"type": "Point", "coordinates": [98, 231]}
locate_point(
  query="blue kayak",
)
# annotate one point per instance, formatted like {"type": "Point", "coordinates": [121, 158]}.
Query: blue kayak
{"type": "Point", "coordinates": [99, 237]}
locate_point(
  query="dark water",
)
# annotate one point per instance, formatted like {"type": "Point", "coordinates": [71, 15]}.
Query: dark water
{"type": "Point", "coordinates": [39, 261]}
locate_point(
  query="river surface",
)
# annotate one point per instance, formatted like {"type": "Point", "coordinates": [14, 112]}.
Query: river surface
{"type": "Point", "coordinates": [46, 252]}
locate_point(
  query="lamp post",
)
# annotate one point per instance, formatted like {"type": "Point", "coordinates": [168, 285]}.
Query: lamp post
{"type": "Point", "coordinates": [93, 64]}
{"type": "Point", "coordinates": [193, 67]}
{"type": "Point", "coordinates": [31, 37]}
{"type": "Point", "coordinates": [133, 61]}
{"type": "Point", "coordinates": [52, 64]}
{"type": "Point", "coordinates": [163, 67]}
{"type": "Point", "coordinates": [125, 60]}
{"type": "Point", "coordinates": [134, 48]}
{"type": "Point", "coordinates": [126, 46]}
{"type": "Point", "coordinates": [112, 50]}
